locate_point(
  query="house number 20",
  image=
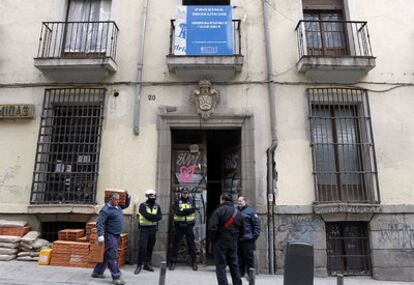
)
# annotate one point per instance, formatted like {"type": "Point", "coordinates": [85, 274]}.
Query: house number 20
{"type": "Point", "coordinates": [151, 97]}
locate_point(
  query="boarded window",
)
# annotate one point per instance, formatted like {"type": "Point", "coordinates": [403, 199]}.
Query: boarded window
{"type": "Point", "coordinates": [67, 157]}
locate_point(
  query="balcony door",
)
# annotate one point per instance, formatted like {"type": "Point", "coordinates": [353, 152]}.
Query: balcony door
{"type": "Point", "coordinates": [325, 33]}
{"type": "Point", "coordinates": [87, 29]}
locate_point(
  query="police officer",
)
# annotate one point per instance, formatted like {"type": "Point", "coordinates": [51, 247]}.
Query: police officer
{"type": "Point", "coordinates": [184, 220]}
{"type": "Point", "coordinates": [251, 232]}
{"type": "Point", "coordinates": [225, 226]}
{"type": "Point", "coordinates": [149, 214]}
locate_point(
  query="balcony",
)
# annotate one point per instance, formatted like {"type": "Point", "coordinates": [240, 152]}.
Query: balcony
{"type": "Point", "coordinates": [213, 67]}
{"type": "Point", "coordinates": [334, 51]}
{"type": "Point", "coordinates": [77, 51]}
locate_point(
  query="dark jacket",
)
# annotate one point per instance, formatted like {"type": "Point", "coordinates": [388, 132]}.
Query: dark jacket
{"type": "Point", "coordinates": [152, 217]}
{"type": "Point", "coordinates": [217, 231]}
{"type": "Point", "coordinates": [111, 219]}
{"type": "Point", "coordinates": [251, 223]}
{"type": "Point", "coordinates": [184, 212]}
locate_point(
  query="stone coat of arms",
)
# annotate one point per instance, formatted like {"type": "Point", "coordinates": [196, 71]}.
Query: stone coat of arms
{"type": "Point", "coordinates": [205, 99]}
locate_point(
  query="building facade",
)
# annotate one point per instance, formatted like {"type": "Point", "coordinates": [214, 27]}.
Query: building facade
{"type": "Point", "coordinates": [308, 116]}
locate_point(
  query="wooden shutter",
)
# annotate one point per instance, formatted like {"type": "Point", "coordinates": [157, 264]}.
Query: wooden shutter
{"type": "Point", "coordinates": [322, 4]}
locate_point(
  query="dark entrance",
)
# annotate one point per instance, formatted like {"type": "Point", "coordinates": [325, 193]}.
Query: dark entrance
{"type": "Point", "coordinates": [348, 248]}
{"type": "Point", "coordinates": [207, 162]}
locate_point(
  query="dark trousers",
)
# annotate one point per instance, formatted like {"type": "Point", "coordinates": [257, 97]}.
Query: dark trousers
{"type": "Point", "coordinates": [246, 256]}
{"type": "Point", "coordinates": [224, 254]}
{"type": "Point", "coordinates": [147, 238]}
{"type": "Point", "coordinates": [182, 230]}
{"type": "Point", "coordinates": [110, 257]}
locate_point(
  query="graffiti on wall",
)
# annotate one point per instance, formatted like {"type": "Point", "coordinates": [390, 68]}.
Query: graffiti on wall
{"type": "Point", "coordinates": [401, 234]}
{"type": "Point", "coordinates": [6, 176]}
{"type": "Point", "coordinates": [299, 228]}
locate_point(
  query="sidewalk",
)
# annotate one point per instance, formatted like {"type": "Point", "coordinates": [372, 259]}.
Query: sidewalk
{"type": "Point", "coordinates": [25, 273]}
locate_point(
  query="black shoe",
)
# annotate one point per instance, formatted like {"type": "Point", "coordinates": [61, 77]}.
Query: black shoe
{"type": "Point", "coordinates": [97, 275]}
{"type": "Point", "coordinates": [138, 269]}
{"type": "Point", "coordinates": [148, 267]}
{"type": "Point", "coordinates": [194, 265]}
{"type": "Point", "coordinates": [171, 266]}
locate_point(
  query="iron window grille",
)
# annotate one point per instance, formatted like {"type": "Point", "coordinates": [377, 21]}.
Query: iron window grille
{"type": "Point", "coordinates": [348, 248]}
{"type": "Point", "coordinates": [67, 155]}
{"type": "Point", "coordinates": [343, 152]}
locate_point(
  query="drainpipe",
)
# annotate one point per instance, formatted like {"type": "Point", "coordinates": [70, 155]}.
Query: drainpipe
{"type": "Point", "coordinates": [137, 103]}
{"type": "Point", "coordinates": [271, 165]}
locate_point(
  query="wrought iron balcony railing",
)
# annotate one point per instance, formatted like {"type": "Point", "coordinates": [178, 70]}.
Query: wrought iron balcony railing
{"type": "Point", "coordinates": [333, 39]}
{"type": "Point", "coordinates": [236, 37]}
{"type": "Point", "coordinates": [78, 40]}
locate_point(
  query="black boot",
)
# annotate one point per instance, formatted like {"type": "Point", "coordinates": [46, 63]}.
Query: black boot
{"type": "Point", "coordinates": [194, 265]}
{"type": "Point", "coordinates": [148, 267]}
{"type": "Point", "coordinates": [138, 269]}
{"type": "Point", "coordinates": [171, 266]}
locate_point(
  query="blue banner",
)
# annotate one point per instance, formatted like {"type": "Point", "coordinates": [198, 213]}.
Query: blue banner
{"type": "Point", "coordinates": [209, 30]}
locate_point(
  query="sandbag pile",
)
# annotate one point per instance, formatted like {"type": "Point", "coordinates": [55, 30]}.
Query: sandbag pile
{"type": "Point", "coordinates": [9, 246]}
{"type": "Point", "coordinates": [30, 246]}
{"type": "Point", "coordinates": [10, 236]}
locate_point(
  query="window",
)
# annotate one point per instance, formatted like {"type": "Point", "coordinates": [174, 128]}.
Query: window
{"type": "Point", "coordinates": [347, 248]}
{"type": "Point", "coordinates": [67, 158]}
{"type": "Point", "coordinates": [87, 29]}
{"type": "Point", "coordinates": [342, 145]}
{"type": "Point", "coordinates": [324, 27]}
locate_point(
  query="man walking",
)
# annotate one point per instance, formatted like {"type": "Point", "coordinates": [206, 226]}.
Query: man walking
{"type": "Point", "coordinates": [247, 241]}
{"type": "Point", "coordinates": [109, 225]}
{"type": "Point", "coordinates": [184, 220]}
{"type": "Point", "coordinates": [149, 214]}
{"type": "Point", "coordinates": [224, 227]}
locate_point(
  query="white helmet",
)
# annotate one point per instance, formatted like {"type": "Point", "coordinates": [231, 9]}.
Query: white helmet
{"type": "Point", "coordinates": [150, 192]}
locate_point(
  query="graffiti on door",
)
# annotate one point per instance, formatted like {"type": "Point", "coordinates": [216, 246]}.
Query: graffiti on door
{"type": "Point", "coordinates": [190, 171]}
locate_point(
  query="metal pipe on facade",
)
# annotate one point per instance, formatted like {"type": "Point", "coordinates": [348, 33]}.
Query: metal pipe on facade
{"type": "Point", "coordinates": [272, 148]}
{"type": "Point", "coordinates": [137, 103]}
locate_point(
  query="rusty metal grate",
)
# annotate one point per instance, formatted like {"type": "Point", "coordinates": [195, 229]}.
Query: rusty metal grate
{"type": "Point", "coordinates": [343, 152]}
{"type": "Point", "coordinates": [348, 248]}
{"type": "Point", "coordinates": [67, 156]}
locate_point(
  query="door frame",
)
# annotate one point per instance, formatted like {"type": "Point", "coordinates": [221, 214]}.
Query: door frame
{"type": "Point", "coordinates": [167, 122]}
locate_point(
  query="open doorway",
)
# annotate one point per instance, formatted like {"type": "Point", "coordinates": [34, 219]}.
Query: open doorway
{"type": "Point", "coordinates": [208, 163]}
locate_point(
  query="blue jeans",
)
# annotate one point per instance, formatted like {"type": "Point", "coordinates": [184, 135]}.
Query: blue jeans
{"type": "Point", "coordinates": [110, 257]}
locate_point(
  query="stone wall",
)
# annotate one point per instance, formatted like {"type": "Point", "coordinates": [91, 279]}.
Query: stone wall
{"type": "Point", "coordinates": [392, 247]}
{"type": "Point", "coordinates": [305, 228]}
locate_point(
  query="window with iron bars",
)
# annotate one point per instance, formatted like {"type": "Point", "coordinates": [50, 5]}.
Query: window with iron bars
{"type": "Point", "coordinates": [342, 144]}
{"type": "Point", "coordinates": [347, 246]}
{"type": "Point", "coordinates": [67, 155]}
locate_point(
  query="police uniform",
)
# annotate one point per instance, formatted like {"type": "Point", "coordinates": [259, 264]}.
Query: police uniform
{"type": "Point", "coordinates": [149, 214]}
{"type": "Point", "coordinates": [184, 220]}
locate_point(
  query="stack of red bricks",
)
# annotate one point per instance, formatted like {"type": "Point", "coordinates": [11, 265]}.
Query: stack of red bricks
{"type": "Point", "coordinates": [83, 251]}
{"type": "Point", "coordinates": [122, 195]}
{"type": "Point", "coordinates": [14, 230]}
{"type": "Point", "coordinates": [71, 234]}
{"type": "Point", "coordinates": [70, 253]}
{"type": "Point", "coordinates": [97, 250]}
{"type": "Point", "coordinates": [122, 249]}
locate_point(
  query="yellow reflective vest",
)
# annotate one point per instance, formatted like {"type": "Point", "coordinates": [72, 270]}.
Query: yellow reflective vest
{"type": "Point", "coordinates": [145, 222]}
{"type": "Point", "coordinates": [187, 218]}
